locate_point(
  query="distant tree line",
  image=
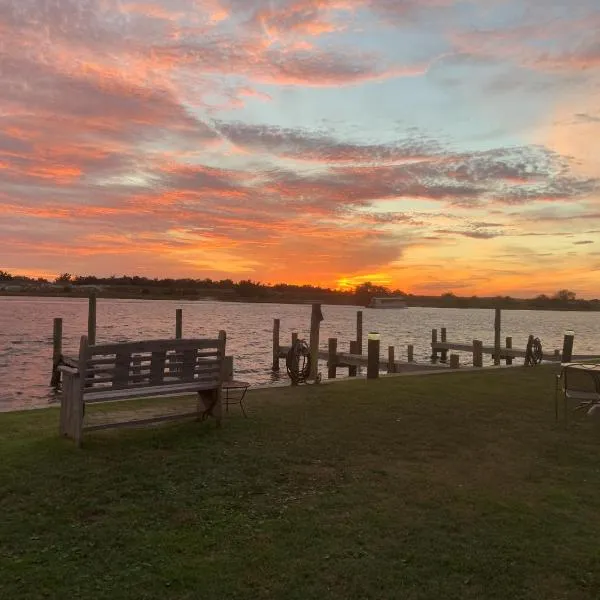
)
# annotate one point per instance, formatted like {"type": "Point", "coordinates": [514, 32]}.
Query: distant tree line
{"type": "Point", "coordinates": [247, 289]}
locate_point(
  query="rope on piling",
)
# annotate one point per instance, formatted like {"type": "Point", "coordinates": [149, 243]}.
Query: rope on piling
{"type": "Point", "coordinates": [297, 362]}
{"type": "Point", "coordinates": [534, 353]}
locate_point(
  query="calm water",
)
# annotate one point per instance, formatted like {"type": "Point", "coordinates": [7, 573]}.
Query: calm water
{"type": "Point", "coordinates": [26, 333]}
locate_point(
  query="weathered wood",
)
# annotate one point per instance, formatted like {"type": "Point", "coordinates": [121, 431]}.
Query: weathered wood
{"type": "Point", "coordinates": [410, 353]}
{"type": "Point", "coordinates": [294, 338]}
{"type": "Point", "coordinates": [509, 359]}
{"type": "Point", "coordinates": [140, 422]}
{"type": "Point", "coordinates": [443, 353]}
{"type": "Point", "coordinates": [56, 351]}
{"type": "Point", "coordinates": [567, 350]}
{"type": "Point", "coordinates": [497, 332]}
{"type": "Point", "coordinates": [391, 366]}
{"type": "Point", "coordinates": [373, 347]}
{"type": "Point", "coordinates": [454, 361]}
{"type": "Point", "coordinates": [178, 324]}
{"type": "Point", "coordinates": [352, 369]}
{"type": "Point", "coordinates": [148, 346]}
{"type": "Point", "coordinates": [275, 366]}
{"type": "Point", "coordinates": [434, 347]}
{"type": "Point", "coordinates": [359, 331]}
{"type": "Point", "coordinates": [332, 358]}
{"type": "Point", "coordinates": [91, 336]}
{"type": "Point", "coordinates": [477, 353]}
{"type": "Point", "coordinates": [315, 327]}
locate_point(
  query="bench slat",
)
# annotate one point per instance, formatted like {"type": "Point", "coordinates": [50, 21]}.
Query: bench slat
{"type": "Point", "coordinates": [135, 379]}
{"type": "Point", "coordinates": [150, 391]}
{"type": "Point", "coordinates": [152, 346]}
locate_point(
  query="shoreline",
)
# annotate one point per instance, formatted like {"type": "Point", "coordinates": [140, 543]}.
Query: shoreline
{"type": "Point", "coordinates": [483, 303]}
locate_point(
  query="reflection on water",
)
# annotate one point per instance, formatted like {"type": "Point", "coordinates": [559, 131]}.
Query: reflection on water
{"type": "Point", "coordinates": [26, 333]}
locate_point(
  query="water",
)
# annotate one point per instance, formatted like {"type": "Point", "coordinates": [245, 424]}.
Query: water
{"type": "Point", "coordinates": [26, 333]}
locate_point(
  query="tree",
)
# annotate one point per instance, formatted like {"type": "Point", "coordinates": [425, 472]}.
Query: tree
{"type": "Point", "coordinates": [63, 278]}
{"type": "Point", "coordinates": [565, 296]}
{"type": "Point", "coordinates": [365, 291]}
{"type": "Point", "coordinates": [5, 276]}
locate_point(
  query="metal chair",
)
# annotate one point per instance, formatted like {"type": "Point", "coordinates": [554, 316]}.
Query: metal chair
{"type": "Point", "coordinates": [578, 382]}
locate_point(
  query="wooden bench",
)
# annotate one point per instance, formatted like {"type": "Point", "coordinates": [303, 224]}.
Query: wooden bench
{"type": "Point", "coordinates": [143, 369]}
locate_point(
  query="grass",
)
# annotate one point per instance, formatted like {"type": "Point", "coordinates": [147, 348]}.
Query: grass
{"type": "Point", "coordinates": [446, 486]}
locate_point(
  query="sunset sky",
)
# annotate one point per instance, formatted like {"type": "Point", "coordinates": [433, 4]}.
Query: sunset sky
{"type": "Point", "coordinates": [428, 145]}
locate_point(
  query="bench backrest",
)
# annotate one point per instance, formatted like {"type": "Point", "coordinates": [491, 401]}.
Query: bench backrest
{"type": "Point", "coordinates": [151, 363]}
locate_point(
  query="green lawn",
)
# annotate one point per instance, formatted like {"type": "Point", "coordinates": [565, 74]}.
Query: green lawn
{"type": "Point", "coordinates": [446, 486]}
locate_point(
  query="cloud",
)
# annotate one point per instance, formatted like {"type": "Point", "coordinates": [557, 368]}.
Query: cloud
{"type": "Point", "coordinates": [583, 242]}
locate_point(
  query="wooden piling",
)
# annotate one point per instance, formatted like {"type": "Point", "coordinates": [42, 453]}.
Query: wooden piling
{"type": "Point", "coordinates": [434, 355]}
{"type": "Point", "coordinates": [556, 354]}
{"type": "Point", "coordinates": [352, 369]}
{"type": "Point", "coordinates": [454, 361]}
{"type": "Point", "coordinates": [56, 351]}
{"type": "Point", "coordinates": [373, 346]}
{"type": "Point", "coordinates": [411, 353]}
{"type": "Point", "coordinates": [178, 324]}
{"type": "Point", "coordinates": [497, 331]}
{"type": "Point", "coordinates": [92, 320]}
{"type": "Point", "coordinates": [477, 353]}
{"type": "Point", "coordinates": [359, 331]}
{"type": "Point", "coordinates": [444, 353]}
{"type": "Point", "coordinates": [294, 338]}
{"type": "Point", "coordinates": [316, 317]}
{"type": "Point", "coordinates": [509, 359]}
{"type": "Point", "coordinates": [332, 360]}
{"type": "Point", "coordinates": [275, 366]}
{"type": "Point", "coordinates": [567, 350]}
{"type": "Point", "coordinates": [391, 361]}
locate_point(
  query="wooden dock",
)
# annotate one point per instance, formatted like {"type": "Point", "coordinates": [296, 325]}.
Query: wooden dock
{"type": "Point", "coordinates": [347, 360]}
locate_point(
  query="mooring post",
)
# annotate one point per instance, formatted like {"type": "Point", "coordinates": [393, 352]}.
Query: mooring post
{"type": "Point", "coordinates": [509, 359]}
{"type": "Point", "coordinates": [352, 369]}
{"type": "Point", "coordinates": [294, 338]}
{"type": "Point", "coordinates": [556, 354]}
{"type": "Point", "coordinates": [444, 353]}
{"type": "Point", "coordinates": [56, 351]}
{"type": "Point", "coordinates": [497, 329]}
{"type": "Point", "coordinates": [92, 320]}
{"type": "Point", "coordinates": [178, 324]}
{"type": "Point", "coordinates": [373, 345]}
{"type": "Point", "coordinates": [332, 358]}
{"type": "Point", "coordinates": [410, 352]}
{"type": "Point", "coordinates": [316, 316]}
{"type": "Point", "coordinates": [433, 343]}
{"type": "Point", "coordinates": [454, 361]}
{"type": "Point", "coordinates": [391, 368]}
{"type": "Point", "coordinates": [567, 351]}
{"type": "Point", "coordinates": [359, 331]}
{"type": "Point", "coordinates": [477, 353]}
{"type": "Point", "coordinates": [275, 366]}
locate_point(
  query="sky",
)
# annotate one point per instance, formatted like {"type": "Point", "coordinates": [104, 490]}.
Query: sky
{"type": "Point", "coordinates": [431, 146]}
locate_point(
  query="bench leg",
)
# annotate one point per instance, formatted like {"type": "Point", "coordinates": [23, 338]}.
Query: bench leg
{"type": "Point", "coordinates": [71, 408]}
{"type": "Point", "coordinates": [210, 404]}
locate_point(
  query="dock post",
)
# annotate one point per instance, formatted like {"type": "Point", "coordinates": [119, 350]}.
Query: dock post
{"type": "Point", "coordinates": [178, 324]}
{"type": "Point", "coordinates": [434, 355]}
{"type": "Point", "coordinates": [509, 359]}
{"type": "Point", "coordinates": [411, 353]}
{"type": "Point", "coordinates": [275, 366]}
{"type": "Point", "coordinates": [497, 330]}
{"type": "Point", "coordinates": [477, 353]}
{"type": "Point", "coordinates": [373, 345]}
{"type": "Point", "coordinates": [92, 320]}
{"type": "Point", "coordinates": [556, 354]}
{"type": "Point", "coordinates": [56, 351]}
{"type": "Point", "coordinates": [316, 316]}
{"type": "Point", "coordinates": [444, 353]}
{"type": "Point", "coordinates": [567, 351]}
{"type": "Point", "coordinates": [332, 359]}
{"type": "Point", "coordinates": [359, 331]}
{"type": "Point", "coordinates": [454, 361]}
{"type": "Point", "coordinates": [391, 368]}
{"type": "Point", "coordinates": [352, 369]}
{"type": "Point", "coordinates": [294, 338]}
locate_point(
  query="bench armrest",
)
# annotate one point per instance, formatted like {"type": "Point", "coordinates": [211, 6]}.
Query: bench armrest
{"type": "Point", "coordinates": [68, 370]}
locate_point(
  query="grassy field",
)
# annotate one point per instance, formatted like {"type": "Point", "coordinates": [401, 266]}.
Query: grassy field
{"type": "Point", "coordinates": [446, 486]}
